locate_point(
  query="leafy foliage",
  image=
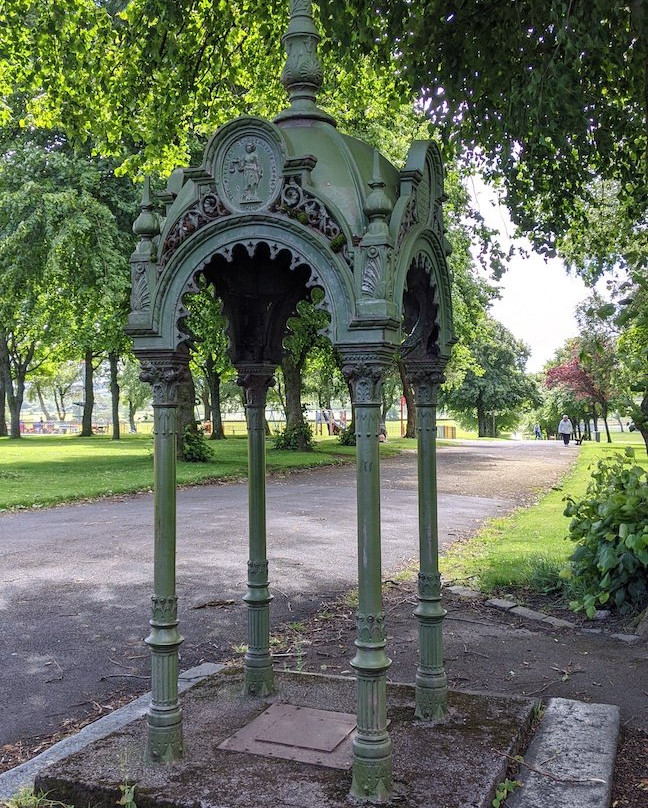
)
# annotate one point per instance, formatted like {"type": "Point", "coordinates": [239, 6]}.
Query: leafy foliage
{"type": "Point", "coordinates": [195, 448]}
{"type": "Point", "coordinates": [610, 527]}
{"type": "Point", "coordinates": [563, 102]}
{"type": "Point", "coordinates": [347, 436]}
{"type": "Point", "coordinates": [297, 437]}
{"type": "Point", "coordinates": [496, 387]}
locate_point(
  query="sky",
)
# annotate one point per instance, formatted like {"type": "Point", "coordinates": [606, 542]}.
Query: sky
{"type": "Point", "coordinates": [538, 297]}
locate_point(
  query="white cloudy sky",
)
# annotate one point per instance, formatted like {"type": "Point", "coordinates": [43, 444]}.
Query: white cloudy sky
{"type": "Point", "coordinates": [538, 297]}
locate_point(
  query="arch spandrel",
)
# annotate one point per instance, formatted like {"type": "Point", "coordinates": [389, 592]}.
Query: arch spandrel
{"type": "Point", "coordinates": [425, 246]}
{"type": "Point", "coordinates": [327, 270]}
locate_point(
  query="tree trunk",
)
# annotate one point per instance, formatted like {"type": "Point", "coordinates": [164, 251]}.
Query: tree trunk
{"type": "Point", "coordinates": [88, 402]}
{"type": "Point", "coordinates": [642, 422]}
{"type": "Point", "coordinates": [131, 416]}
{"type": "Point", "coordinates": [617, 418]}
{"type": "Point", "coordinates": [204, 400]}
{"type": "Point", "coordinates": [185, 412]}
{"type": "Point", "coordinates": [114, 395]}
{"type": "Point", "coordinates": [213, 389]}
{"type": "Point", "coordinates": [595, 420]}
{"type": "Point", "coordinates": [3, 403]}
{"type": "Point", "coordinates": [58, 403]}
{"type": "Point", "coordinates": [604, 414]}
{"type": "Point", "coordinates": [482, 417]}
{"type": "Point", "coordinates": [14, 388]}
{"type": "Point", "coordinates": [410, 429]}
{"type": "Point", "coordinates": [41, 401]}
{"type": "Point", "coordinates": [292, 389]}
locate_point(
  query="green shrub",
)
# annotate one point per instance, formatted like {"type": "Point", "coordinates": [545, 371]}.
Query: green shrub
{"type": "Point", "coordinates": [296, 438]}
{"type": "Point", "coordinates": [610, 527]}
{"type": "Point", "coordinates": [195, 448]}
{"type": "Point", "coordinates": [347, 436]}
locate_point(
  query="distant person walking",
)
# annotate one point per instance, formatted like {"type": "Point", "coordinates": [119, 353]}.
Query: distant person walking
{"type": "Point", "coordinates": [537, 432]}
{"type": "Point", "coordinates": [565, 429]}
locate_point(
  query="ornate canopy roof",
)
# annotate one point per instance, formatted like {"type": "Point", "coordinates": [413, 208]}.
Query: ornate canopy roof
{"type": "Point", "coordinates": [301, 188]}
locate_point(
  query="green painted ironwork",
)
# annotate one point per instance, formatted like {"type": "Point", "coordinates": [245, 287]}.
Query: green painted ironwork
{"type": "Point", "coordinates": [165, 738]}
{"type": "Point", "coordinates": [258, 678]}
{"type": "Point", "coordinates": [431, 679]}
{"type": "Point", "coordinates": [275, 209]}
{"type": "Point", "coordinates": [372, 749]}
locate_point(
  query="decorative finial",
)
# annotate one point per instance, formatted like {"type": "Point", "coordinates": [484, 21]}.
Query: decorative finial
{"type": "Point", "coordinates": [377, 205]}
{"type": "Point", "coordinates": [302, 74]}
{"type": "Point", "coordinates": [147, 224]}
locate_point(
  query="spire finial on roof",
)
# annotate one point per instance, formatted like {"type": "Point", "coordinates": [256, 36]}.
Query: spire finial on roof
{"type": "Point", "coordinates": [302, 74]}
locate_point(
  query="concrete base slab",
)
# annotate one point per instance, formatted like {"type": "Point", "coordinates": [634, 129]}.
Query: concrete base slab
{"type": "Point", "coordinates": [23, 776]}
{"type": "Point", "coordinates": [456, 763]}
{"type": "Point", "coordinates": [573, 752]}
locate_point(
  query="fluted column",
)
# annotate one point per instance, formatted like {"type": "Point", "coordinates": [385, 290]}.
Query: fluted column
{"type": "Point", "coordinates": [431, 680]}
{"type": "Point", "coordinates": [258, 679]}
{"type": "Point", "coordinates": [372, 754]}
{"type": "Point", "coordinates": [164, 371]}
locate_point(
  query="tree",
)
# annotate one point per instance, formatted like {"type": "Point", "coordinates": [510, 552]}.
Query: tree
{"type": "Point", "coordinates": [207, 324]}
{"type": "Point", "coordinates": [27, 317]}
{"type": "Point", "coordinates": [323, 379]}
{"type": "Point", "coordinates": [54, 378]}
{"type": "Point", "coordinates": [587, 372]}
{"type": "Point", "coordinates": [303, 334]}
{"type": "Point", "coordinates": [136, 392]}
{"type": "Point", "coordinates": [563, 103]}
{"type": "Point", "coordinates": [62, 257]}
{"type": "Point", "coordinates": [493, 392]}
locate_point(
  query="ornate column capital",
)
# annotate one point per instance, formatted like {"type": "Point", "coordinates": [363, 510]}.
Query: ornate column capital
{"type": "Point", "coordinates": [364, 370]}
{"type": "Point", "coordinates": [425, 378]}
{"type": "Point", "coordinates": [255, 379]}
{"type": "Point", "coordinates": [164, 371]}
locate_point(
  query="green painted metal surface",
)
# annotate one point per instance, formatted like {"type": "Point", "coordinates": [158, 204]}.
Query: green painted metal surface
{"type": "Point", "coordinates": [165, 738]}
{"type": "Point", "coordinates": [372, 759]}
{"type": "Point", "coordinates": [431, 680]}
{"type": "Point", "coordinates": [274, 210]}
{"type": "Point", "coordinates": [258, 665]}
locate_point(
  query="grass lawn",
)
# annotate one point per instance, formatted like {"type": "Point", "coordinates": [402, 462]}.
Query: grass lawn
{"type": "Point", "coordinates": [524, 549]}
{"type": "Point", "coordinates": [48, 469]}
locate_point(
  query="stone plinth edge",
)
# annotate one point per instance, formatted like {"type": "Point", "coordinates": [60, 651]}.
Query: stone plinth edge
{"type": "Point", "coordinates": [23, 776]}
{"type": "Point", "coordinates": [576, 747]}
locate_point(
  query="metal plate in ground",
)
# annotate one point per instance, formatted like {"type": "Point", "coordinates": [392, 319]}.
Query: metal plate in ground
{"type": "Point", "coordinates": [297, 733]}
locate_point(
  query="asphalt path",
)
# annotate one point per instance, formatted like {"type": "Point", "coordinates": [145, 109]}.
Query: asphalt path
{"type": "Point", "coordinates": [76, 580]}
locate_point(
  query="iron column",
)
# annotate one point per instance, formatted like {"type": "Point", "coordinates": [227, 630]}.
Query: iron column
{"type": "Point", "coordinates": [431, 680]}
{"type": "Point", "coordinates": [259, 677]}
{"type": "Point", "coordinates": [372, 753]}
{"type": "Point", "coordinates": [164, 371]}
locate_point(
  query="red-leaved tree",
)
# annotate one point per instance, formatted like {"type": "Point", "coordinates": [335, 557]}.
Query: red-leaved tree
{"type": "Point", "coordinates": [583, 386]}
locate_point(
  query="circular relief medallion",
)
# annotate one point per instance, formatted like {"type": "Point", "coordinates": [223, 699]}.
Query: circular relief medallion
{"type": "Point", "coordinates": [249, 173]}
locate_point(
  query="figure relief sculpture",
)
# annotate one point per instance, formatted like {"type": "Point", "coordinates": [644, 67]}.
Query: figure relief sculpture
{"type": "Point", "coordinates": [252, 172]}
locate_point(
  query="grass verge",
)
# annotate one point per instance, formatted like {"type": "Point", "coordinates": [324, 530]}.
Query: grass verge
{"type": "Point", "coordinates": [528, 548]}
{"type": "Point", "coordinates": [49, 469]}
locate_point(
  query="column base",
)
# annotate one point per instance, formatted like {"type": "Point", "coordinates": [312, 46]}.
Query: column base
{"type": "Point", "coordinates": [372, 779]}
{"type": "Point", "coordinates": [258, 682]}
{"type": "Point", "coordinates": [164, 744]}
{"type": "Point", "coordinates": [431, 697]}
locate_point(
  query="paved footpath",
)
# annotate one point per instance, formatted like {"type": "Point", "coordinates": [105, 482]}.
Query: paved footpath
{"type": "Point", "coordinates": [76, 580]}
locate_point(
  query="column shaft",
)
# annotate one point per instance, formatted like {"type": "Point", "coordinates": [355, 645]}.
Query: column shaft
{"type": "Point", "coordinates": [164, 718]}
{"type": "Point", "coordinates": [431, 680]}
{"type": "Point", "coordinates": [258, 674]}
{"type": "Point", "coordinates": [372, 753]}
